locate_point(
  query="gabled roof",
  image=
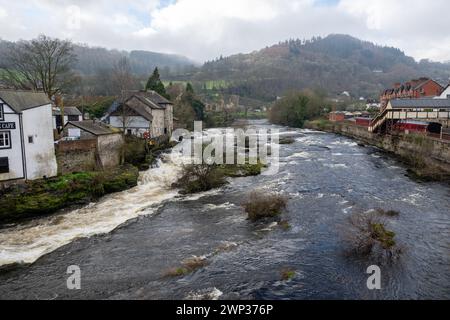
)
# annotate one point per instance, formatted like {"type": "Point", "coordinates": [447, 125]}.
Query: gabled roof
{"type": "Point", "coordinates": [420, 103]}
{"type": "Point", "coordinates": [421, 84]}
{"type": "Point", "coordinates": [23, 100]}
{"type": "Point", "coordinates": [68, 111]}
{"type": "Point", "coordinates": [149, 97]}
{"type": "Point", "coordinates": [141, 110]}
{"type": "Point", "coordinates": [96, 128]}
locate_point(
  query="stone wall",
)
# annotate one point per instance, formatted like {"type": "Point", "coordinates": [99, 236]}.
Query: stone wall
{"type": "Point", "coordinates": [76, 156]}
{"type": "Point", "coordinates": [110, 149]}
{"type": "Point", "coordinates": [428, 156]}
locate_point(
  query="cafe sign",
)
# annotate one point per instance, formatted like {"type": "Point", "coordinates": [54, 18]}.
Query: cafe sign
{"type": "Point", "coordinates": [7, 125]}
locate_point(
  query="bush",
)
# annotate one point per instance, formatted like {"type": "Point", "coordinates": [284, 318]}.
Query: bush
{"type": "Point", "coordinates": [287, 274]}
{"type": "Point", "coordinates": [367, 235]}
{"type": "Point", "coordinates": [200, 177]}
{"type": "Point", "coordinates": [262, 205]}
{"type": "Point", "coordinates": [187, 266]}
{"type": "Point", "coordinates": [287, 140]}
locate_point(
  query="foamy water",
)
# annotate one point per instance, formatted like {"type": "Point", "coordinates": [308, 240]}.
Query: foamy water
{"type": "Point", "coordinates": [28, 242]}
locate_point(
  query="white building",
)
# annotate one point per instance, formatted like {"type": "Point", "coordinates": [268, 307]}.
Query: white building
{"type": "Point", "coordinates": [70, 114]}
{"type": "Point", "coordinates": [144, 114]}
{"type": "Point", "coordinates": [446, 93]}
{"type": "Point", "coordinates": [26, 137]}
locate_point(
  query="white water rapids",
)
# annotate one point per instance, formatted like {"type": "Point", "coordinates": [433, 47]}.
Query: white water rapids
{"type": "Point", "coordinates": [27, 242]}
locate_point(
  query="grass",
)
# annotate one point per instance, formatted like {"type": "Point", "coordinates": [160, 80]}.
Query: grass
{"type": "Point", "coordinates": [188, 266]}
{"type": "Point", "coordinates": [285, 225]}
{"type": "Point", "coordinates": [46, 196]}
{"type": "Point", "coordinates": [263, 204]}
{"type": "Point", "coordinates": [287, 140]}
{"type": "Point", "coordinates": [287, 274]}
{"type": "Point", "coordinates": [367, 235]}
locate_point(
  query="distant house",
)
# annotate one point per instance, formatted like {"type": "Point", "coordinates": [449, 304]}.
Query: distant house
{"type": "Point", "coordinates": [26, 137]}
{"type": "Point", "coordinates": [445, 93]}
{"type": "Point", "coordinates": [70, 114]}
{"type": "Point", "coordinates": [143, 114]}
{"type": "Point", "coordinates": [414, 89]}
{"type": "Point", "coordinates": [109, 140]}
{"type": "Point", "coordinates": [336, 116]}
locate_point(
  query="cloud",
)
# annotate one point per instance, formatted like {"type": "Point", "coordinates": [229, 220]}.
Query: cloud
{"type": "Point", "coordinates": [205, 29]}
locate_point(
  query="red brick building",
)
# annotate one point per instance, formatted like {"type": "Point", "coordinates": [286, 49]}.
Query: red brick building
{"type": "Point", "coordinates": [336, 116]}
{"type": "Point", "coordinates": [414, 89]}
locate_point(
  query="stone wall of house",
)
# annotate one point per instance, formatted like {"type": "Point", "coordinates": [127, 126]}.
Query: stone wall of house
{"type": "Point", "coordinates": [110, 149]}
{"type": "Point", "coordinates": [77, 156]}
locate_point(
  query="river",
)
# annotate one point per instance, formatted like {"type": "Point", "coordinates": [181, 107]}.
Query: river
{"type": "Point", "coordinates": [126, 243]}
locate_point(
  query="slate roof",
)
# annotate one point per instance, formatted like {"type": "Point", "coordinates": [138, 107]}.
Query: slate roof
{"type": "Point", "coordinates": [149, 100]}
{"type": "Point", "coordinates": [68, 111]}
{"type": "Point", "coordinates": [420, 103]}
{"type": "Point", "coordinates": [23, 100]}
{"type": "Point", "coordinates": [96, 128]}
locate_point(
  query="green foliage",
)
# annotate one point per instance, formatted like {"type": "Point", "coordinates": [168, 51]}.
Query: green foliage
{"type": "Point", "coordinates": [154, 83]}
{"type": "Point", "coordinates": [367, 235]}
{"type": "Point", "coordinates": [200, 177]}
{"type": "Point", "coordinates": [295, 108]}
{"type": "Point", "coordinates": [42, 197]}
{"type": "Point", "coordinates": [287, 274]}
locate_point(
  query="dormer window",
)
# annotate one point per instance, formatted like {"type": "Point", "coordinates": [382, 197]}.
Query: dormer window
{"type": "Point", "coordinates": [2, 113]}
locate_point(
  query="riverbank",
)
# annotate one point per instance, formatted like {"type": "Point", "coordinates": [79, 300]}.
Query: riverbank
{"type": "Point", "coordinates": [42, 197]}
{"type": "Point", "coordinates": [39, 198]}
{"type": "Point", "coordinates": [427, 158]}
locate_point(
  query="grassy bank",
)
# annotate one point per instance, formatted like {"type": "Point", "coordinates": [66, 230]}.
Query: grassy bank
{"type": "Point", "coordinates": [41, 197]}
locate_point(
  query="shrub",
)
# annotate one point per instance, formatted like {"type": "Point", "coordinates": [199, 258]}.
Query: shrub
{"type": "Point", "coordinates": [286, 141]}
{"type": "Point", "coordinates": [200, 177]}
{"type": "Point", "coordinates": [367, 235]}
{"type": "Point", "coordinates": [187, 266]}
{"type": "Point", "coordinates": [287, 274]}
{"type": "Point", "coordinates": [262, 205]}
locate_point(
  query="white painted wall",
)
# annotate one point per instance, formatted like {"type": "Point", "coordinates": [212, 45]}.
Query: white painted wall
{"type": "Point", "coordinates": [445, 94]}
{"type": "Point", "coordinates": [14, 154]}
{"type": "Point", "coordinates": [66, 119]}
{"type": "Point", "coordinates": [40, 155]}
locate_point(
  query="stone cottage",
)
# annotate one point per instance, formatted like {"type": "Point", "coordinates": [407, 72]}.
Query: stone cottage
{"type": "Point", "coordinates": [108, 144]}
{"type": "Point", "coordinates": [144, 114]}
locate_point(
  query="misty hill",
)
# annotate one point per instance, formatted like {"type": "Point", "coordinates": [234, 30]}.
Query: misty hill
{"type": "Point", "coordinates": [142, 62]}
{"type": "Point", "coordinates": [336, 63]}
{"type": "Point", "coordinates": [93, 59]}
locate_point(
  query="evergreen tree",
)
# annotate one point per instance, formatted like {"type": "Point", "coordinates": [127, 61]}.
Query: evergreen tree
{"type": "Point", "coordinates": [154, 83]}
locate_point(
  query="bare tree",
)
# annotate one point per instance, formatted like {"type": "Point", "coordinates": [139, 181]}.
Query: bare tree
{"type": "Point", "coordinates": [123, 81]}
{"type": "Point", "coordinates": [40, 64]}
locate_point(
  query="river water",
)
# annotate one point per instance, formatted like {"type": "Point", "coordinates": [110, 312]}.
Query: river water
{"type": "Point", "coordinates": [126, 243]}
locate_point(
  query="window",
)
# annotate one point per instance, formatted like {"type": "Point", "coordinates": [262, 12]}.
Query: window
{"type": "Point", "coordinates": [2, 114]}
{"type": "Point", "coordinates": [5, 140]}
{"type": "Point", "coordinates": [4, 165]}
{"type": "Point", "coordinates": [30, 139]}
{"type": "Point", "coordinates": [73, 118]}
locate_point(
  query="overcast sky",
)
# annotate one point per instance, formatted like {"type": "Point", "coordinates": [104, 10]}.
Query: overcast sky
{"type": "Point", "coordinates": [205, 29]}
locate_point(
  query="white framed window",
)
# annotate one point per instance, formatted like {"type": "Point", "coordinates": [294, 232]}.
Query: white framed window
{"type": "Point", "coordinates": [2, 112]}
{"type": "Point", "coordinates": [5, 139]}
